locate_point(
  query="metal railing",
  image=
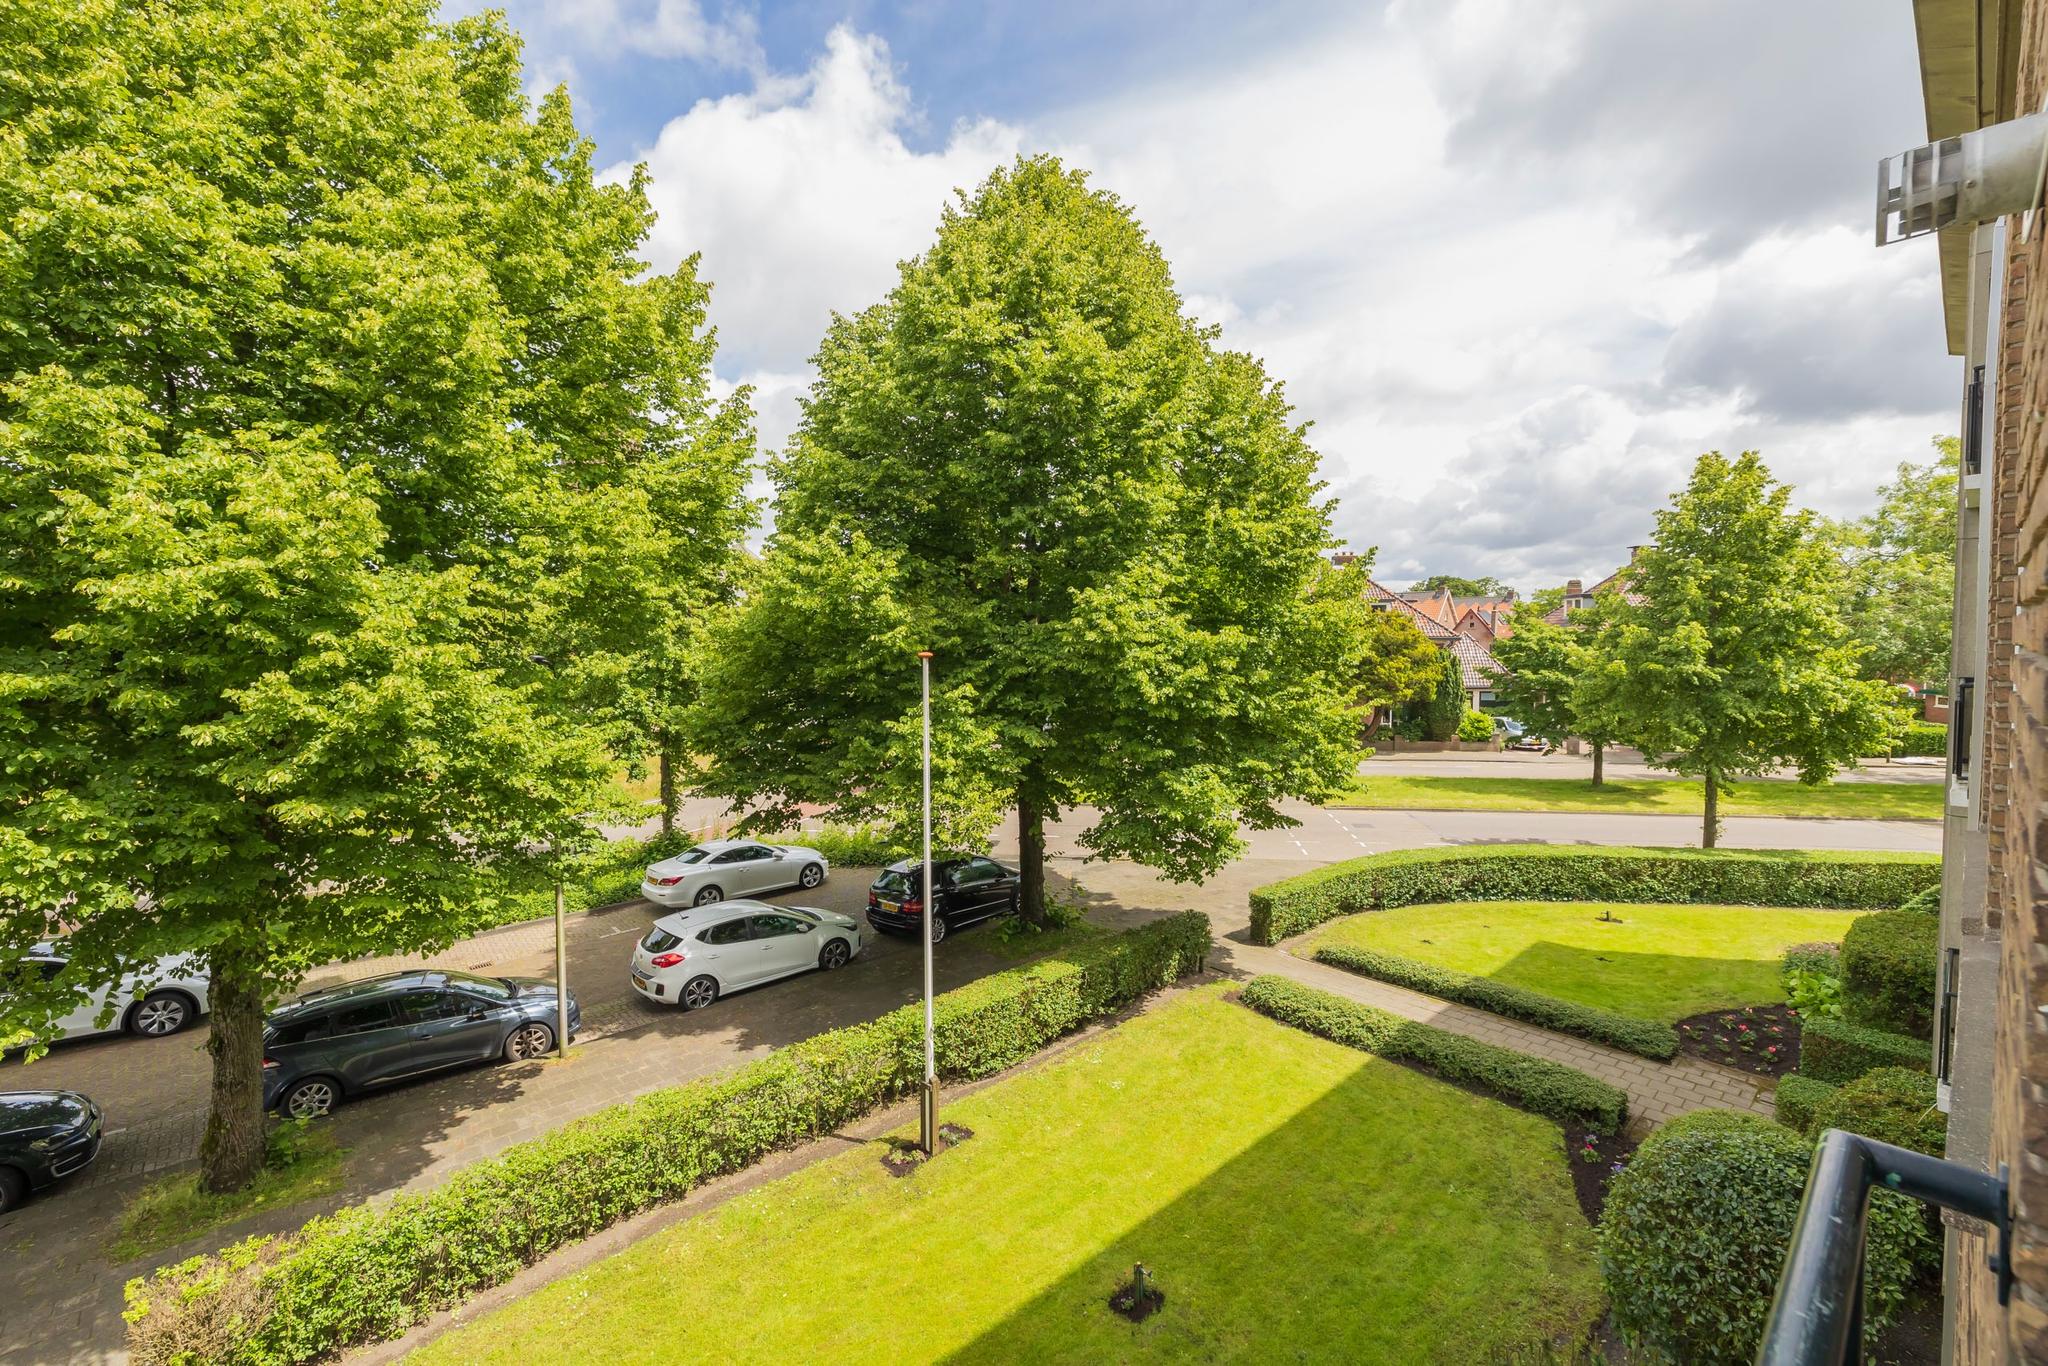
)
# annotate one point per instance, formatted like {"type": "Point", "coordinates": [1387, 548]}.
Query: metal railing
{"type": "Point", "coordinates": [1973, 424]}
{"type": "Point", "coordinates": [1817, 1316]}
{"type": "Point", "coordinates": [1960, 716]}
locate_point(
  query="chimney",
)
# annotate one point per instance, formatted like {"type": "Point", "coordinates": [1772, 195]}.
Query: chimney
{"type": "Point", "coordinates": [1342, 558]}
{"type": "Point", "coordinates": [1573, 588]}
{"type": "Point", "coordinates": [1635, 552]}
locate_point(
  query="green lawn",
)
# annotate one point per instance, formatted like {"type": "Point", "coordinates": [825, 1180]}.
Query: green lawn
{"type": "Point", "coordinates": [1675, 796]}
{"type": "Point", "coordinates": [1659, 963]}
{"type": "Point", "coordinates": [1293, 1198]}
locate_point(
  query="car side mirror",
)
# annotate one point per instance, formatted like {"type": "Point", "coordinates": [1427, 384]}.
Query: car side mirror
{"type": "Point", "coordinates": [478, 1012]}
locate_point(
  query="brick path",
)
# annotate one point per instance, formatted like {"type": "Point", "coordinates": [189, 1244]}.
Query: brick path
{"type": "Point", "coordinates": [1656, 1090]}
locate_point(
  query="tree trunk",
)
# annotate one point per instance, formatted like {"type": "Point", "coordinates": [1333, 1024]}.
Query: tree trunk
{"type": "Point", "coordinates": [1030, 856]}
{"type": "Point", "coordinates": [1599, 763]}
{"type": "Point", "coordinates": [1712, 828]}
{"type": "Point", "coordinates": [665, 767]}
{"type": "Point", "coordinates": [231, 1151]}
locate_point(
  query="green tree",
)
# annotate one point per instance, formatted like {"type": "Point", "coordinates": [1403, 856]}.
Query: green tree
{"type": "Point", "coordinates": [337, 408]}
{"type": "Point", "coordinates": [1901, 562]}
{"type": "Point", "coordinates": [1599, 696]}
{"type": "Point", "coordinates": [1488, 587]}
{"type": "Point", "coordinates": [1736, 661]}
{"type": "Point", "coordinates": [1028, 460]}
{"type": "Point", "coordinates": [1445, 704]}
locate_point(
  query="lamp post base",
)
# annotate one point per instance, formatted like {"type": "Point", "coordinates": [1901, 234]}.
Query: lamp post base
{"type": "Point", "coordinates": [928, 1117]}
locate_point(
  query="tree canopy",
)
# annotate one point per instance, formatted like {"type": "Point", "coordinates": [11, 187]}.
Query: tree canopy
{"type": "Point", "coordinates": [1487, 587]}
{"type": "Point", "coordinates": [1736, 660]}
{"type": "Point", "coordinates": [1901, 564]}
{"type": "Point", "coordinates": [1030, 461]}
{"type": "Point", "coordinates": [341, 430]}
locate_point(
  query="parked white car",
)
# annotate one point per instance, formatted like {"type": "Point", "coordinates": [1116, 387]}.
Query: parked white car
{"type": "Point", "coordinates": [693, 957]}
{"type": "Point", "coordinates": [155, 999]}
{"type": "Point", "coordinates": [717, 869]}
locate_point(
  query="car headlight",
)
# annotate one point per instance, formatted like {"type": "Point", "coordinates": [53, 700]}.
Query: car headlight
{"type": "Point", "coordinates": [46, 1143]}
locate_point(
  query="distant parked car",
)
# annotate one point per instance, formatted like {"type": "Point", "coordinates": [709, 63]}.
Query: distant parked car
{"type": "Point", "coordinates": [970, 889]}
{"type": "Point", "coordinates": [45, 1136]}
{"type": "Point", "coordinates": [154, 999]}
{"type": "Point", "coordinates": [336, 1043]}
{"type": "Point", "coordinates": [693, 957]}
{"type": "Point", "coordinates": [717, 869]}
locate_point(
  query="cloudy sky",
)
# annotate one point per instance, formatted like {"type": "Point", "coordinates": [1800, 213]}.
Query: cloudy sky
{"type": "Point", "coordinates": [1516, 276]}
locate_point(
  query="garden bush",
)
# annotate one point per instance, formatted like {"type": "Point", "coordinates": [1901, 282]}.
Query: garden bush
{"type": "Point", "coordinates": [1796, 1098]}
{"type": "Point", "coordinates": [1838, 1051]}
{"type": "Point", "coordinates": [1650, 1038]}
{"type": "Point", "coordinates": [1820, 957]}
{"type": "Point", "coordinates": [1922, 739]}
{"type": "Point", "coordinates": [1543, 872]}
{"type": "Point", "coordinates": [1695, 1231]}
{"type": "Point", "coordinates": [1890, 1104]}
{"type": "Point", "coordinates": [1546, 1088]}
{"type": "Point", "coordinates": [370, 1272]}
{"type": "Point", "coordinates": [1475, 728]}
{"type": "Point", "coordinates": [1888, 969]}
{"type": "Point", "coordinates": [1927, 902]}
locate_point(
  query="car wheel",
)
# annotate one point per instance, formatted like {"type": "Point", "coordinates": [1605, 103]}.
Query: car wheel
{"type": "Point", "coordinates": [13, 1189]}
{"type": "Point", "coordinates": [159, 1013]}
{"type": "Point", "coordinates": [531, 1040]}
{"type": "Point", "coordinates": [938, 929]}
{"type": "Point", "coordinates": [709, 895]}
{"type": "Point", "coordinates": [834, 955]}
{"type": "Point", "coordinates": [811, 876]}
{"type": "Point", "coordinates": [310, 1099]}
{"type": "Point", "coordinates": [698, 992]}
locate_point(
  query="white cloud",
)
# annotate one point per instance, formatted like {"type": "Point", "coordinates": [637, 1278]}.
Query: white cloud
{"type": "Point", "coordinates": [1510, 350]}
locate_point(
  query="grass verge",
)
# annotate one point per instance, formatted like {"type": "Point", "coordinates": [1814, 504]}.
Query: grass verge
{"type": "Point", "coordinates": [1291, 1197]}
{"type": "Point", "coordinates": [1658, 796]}
{"type": "Point", "coordinates": [1651, 962]}
{"type": "Point", "coordinates": [300, 1162]}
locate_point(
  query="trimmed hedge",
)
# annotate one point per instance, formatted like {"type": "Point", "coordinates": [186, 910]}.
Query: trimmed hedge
{"type": "Point", "coordinates": [1695, 1230]}
{"type": "Point", "coordinates": [1890, 1104]}
{"type": "Point", "coordinates": [1650, 1038]}
{"type": "Point", "coordinates": [1837, 1051]}
{"type": "Point", "coordinates": [1545, 872]}
{"type": "Point", "coordinates": [370, 1272]}
{"type": "Point", "coordinates": [1927, 902]}
{"type": "Point", "coordinates": [1547, 1088]}
{"type": "Point", "coordinates": [1888, 971]}
{"type": "Point", "coordinates": [1797, 1097]}
{"type": "Point", "coordinates": [1923, 740]}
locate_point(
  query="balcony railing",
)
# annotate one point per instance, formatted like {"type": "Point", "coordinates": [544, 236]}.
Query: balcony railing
{"type": "Point", "coordinates": [1817, 1317]}
{"type": "Point", "coordinates": [1959, 718]}
{"type": "Point", "coordinates": [1973, 424]}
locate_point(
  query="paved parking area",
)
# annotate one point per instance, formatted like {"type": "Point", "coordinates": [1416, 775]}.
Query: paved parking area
{"type": "Point", "coordinates": [64, 1298]}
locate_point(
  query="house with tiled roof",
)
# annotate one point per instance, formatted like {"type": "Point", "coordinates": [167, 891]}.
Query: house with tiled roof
{"type": "Point", "coordinates": [1578, 596]}
{"type": "Point", "coordinates": [1443, 631]}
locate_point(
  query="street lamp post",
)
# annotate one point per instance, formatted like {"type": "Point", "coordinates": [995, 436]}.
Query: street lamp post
{"type": "Point", "coordinates": [561, 970]}
{"type": "Point", "coordinates": [928, 1106]}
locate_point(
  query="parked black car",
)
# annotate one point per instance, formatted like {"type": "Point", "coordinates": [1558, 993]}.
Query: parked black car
{"type": "Point", "coordinates": [335, 1043]}
{"type": "Point", "coordinates": [44, 1137]}
{"type": "Point", "coordinates": [970, 889]}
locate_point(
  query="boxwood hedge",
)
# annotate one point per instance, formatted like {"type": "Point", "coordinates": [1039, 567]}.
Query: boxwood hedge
{"type": "Point", "coordinates": [370, 1272]}
{"type": "Point", "coordinates": [1796, 1098]}
{"type": "Point", "coordinates": [1547, 1088]}
{"type": "Point", "coordinates": [1545, 872]}
{"type": "Point", "coordinates": [1837, 1051]}
{"type": "Point", "coordinates": [1888, 971]}
{"type": "Point", "coordinates": [1650, 1038]}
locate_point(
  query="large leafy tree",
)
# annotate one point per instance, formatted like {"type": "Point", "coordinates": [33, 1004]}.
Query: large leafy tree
{"type": "Point", "coordinates": [1901, 563]}
{"type": "Point", "coordinates": [1487, 587]}
{"type": "Point", "coordinates": [1557, 676]}
{"type": "Point", "coordinates": [1735, 660]}
{"type": "Point", "coordinates": [1028, 460]}
{"type": "Point", "coordinates": [335, 412]}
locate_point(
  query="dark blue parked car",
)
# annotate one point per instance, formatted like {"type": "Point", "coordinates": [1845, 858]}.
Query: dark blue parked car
{"type": "Point", "coordinates": [339, 1042]}
{"type": "Point", "coordinates": [44, 1136]}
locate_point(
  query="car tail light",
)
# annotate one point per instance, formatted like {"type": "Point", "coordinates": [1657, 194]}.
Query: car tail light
{"type": "Point", "coordinates": [269, 1063]}
{"type": "Point", "coordinates": [874, 900]}
{"type": "Point", "coordinates": [913, 908]}
{"type": "Point", "coordinates": [666, 960]}
{"type": "Point", "coordinates": [663, 881]}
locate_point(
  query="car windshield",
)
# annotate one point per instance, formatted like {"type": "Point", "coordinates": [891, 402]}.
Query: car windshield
{"type": "Point", "coordinates": [696, 855]}
{"type": "Point", "coordinates": [497, 988]}
{"type": "Point", "coordinates": [803, 914]}
{"type": "Point", "coordinates": [895, 882]}
{"type": "Point", "coordinates": [659, 940]}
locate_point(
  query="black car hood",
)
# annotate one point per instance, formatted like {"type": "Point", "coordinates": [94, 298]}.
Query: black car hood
{"type": "Point", "coordinates": [21, 1110]}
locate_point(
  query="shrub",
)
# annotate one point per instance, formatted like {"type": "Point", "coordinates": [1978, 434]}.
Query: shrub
{"type": "Point", "coordinates": [1542, 872]}
{"type": "Point", "coordinates": [1838, 1051]}
{"type": "Point", "coordinates": [1547, 1088]}
{"type": "Point", "coordinates": [1820, 957]}
{"type": "Point", "coordinates": [1815, 995]}
{"type": "Point", "coordinates": [1475, 727]}
{"type": "Point", "coordinates": [370, 1272]}
{"type": "Point", "coordinates": [1796, 1098]}
{"type": "Point", "coordinates": [1890, 1104]}
{"type": "Point", "coordinates": [1650, 1038]}
{"type": "Point", "coordinates": [1888, 968]}
{"type": "Point", "coordinates": [1695, 1232]}
{"type": "Point", "coordinates": [1927, 902]}
{"type": "Point", "coordinates": [1922, 739]}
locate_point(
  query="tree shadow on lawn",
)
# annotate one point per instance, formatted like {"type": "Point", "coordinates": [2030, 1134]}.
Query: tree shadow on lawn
{"type": "Point", "coordinates": [1362, 1229]}
{"type": "Point", "coordinates": [1650, 986]}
